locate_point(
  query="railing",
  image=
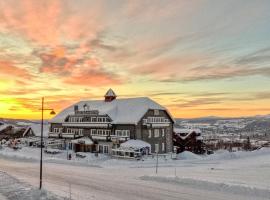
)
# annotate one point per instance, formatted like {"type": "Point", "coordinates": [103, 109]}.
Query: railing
{"type": "Point", "coordinates": [86, 124]}
{"type": "Point", "coordinates": [53, 134]}
{"type": "Point", "coordinates": [161, 121]}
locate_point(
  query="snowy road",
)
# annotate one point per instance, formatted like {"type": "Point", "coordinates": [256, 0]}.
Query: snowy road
{"type": "Point", "coordinates": [116, 183]}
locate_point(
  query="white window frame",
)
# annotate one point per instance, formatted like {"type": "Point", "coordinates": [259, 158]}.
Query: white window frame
{"type": "Point", "coordinates": [105, 149]}
{"type": "Point", "coordinates": [157, 120]}
{"type": "Point", "coordinates": [163, 146]}
{"type": "Point", "coordinates": [93, 119]}
{"type": "Point", "coordinates": [156, 148]}
{"type": "Point", "coordinates": [80, 132]}
{"type": "Point", "coordinates": [100, 132]}
{"type": "Point", "coordinates": [149, 133]}
{"type": "Point", "coordinates": [122, 133]}
{"type": "Point", "coordinates": [57, 130]}
{"type": "Point", "coordinates": [163, 132]}
{"type": "Point", "coordinates": [156, 133]}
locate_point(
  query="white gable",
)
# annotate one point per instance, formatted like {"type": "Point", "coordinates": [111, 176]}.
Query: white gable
{"type": "Point", "coordinates": [121, 111]}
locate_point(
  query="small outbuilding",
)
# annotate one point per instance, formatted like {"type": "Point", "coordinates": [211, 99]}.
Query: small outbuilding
{"type": "Point", "coordinates": [132, 149]}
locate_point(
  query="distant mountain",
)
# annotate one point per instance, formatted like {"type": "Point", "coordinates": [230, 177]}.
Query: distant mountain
{"type": "Point", "coordinates": [214, 119]}
{"type": "Point", "coordinates": [20, 122]}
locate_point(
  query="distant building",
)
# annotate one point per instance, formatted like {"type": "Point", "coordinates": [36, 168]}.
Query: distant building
{"type": "Point", "coordinates": [111, 121]}
{"type": "Point", "coordinates": [188, 140]}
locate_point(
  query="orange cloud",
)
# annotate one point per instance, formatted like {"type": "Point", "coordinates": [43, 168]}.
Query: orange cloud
{"type": "Point", "coordinates": [93, 78]}
{"type": "Point", "coordinates": [45, 22]}
{"type": "Point", "coordinates": [8, 68]}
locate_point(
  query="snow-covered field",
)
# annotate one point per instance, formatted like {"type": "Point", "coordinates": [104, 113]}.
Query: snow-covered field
{"type": "Point", "coordinates": [12, 188]}
{"type": "Point", "coordinates": [224, 175]}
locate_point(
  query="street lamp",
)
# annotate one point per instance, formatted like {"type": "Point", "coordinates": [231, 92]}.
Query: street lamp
{"type": "Point", "coordinates": [41, 139]}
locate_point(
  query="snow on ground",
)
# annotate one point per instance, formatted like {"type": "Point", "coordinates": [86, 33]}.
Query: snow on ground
{"type": "Point", "coordinates": [211, 186]}
{"type": "Point", "coordinates": [223, 175]}
{"type": "Point", "coordinates": [33, 154]}
{"type": "Point", "coordinates": [186, 155]}
{"type": "Point", "coordinates": [13, 189]}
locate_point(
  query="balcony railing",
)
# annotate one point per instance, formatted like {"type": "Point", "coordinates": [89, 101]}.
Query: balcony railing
{"type": "Point", "coordinates": [86, 124]}
{"type": "Point", "coordinates": [160, 122]}
{"type": "Point", "coordinates": [64, 135]}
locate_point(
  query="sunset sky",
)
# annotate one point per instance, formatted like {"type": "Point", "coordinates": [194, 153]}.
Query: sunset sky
{"type": "Point", "coordinates": [197, 58]}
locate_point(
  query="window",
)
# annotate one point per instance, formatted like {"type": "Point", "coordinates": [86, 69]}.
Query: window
{"type": "Point", "coordinates": [100, 148]}
{"type": "Point", "coordinates": [163, 147]}
{"type": "Point", "coordinates": [149, 133]}
{"type": "Point", "coordinates": [113, 133]}
{"type": "Point", "coordinates": [76, 119]}
{"type": "Point", "coordinates": [156, 133]}
{"type": "Point", "coordinates": [122, 133]}
{"type": "Point", "coordinates": [106, 149]}
{"type": "Point", "coordinates": [156, 148]}
{"type": "Point", "coordinates": [157, 120]}
{"type": "Point", "coordinates": [156, 112]}
{"type": "Point", "coordinates": [163, 132]}
{"type": "Point", "coordinates": [75, 131]}
{"type": "Point", "coordinates": [100, 132]}
{"type": "Point", "coordinates": [144, 121]}
{"type": "Point", "coordinates": [93, 119]}
{"type": "Point", "coordinates": [102, 119]}
{"type": "Point", "coordinates": [81, 132]}
{"type": "Point", "coordinates": [57, 130]}
{"type": "Point", "coordinates": [93, 131]}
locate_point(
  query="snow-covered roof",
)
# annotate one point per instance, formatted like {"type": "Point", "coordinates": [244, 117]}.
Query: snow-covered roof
{"type": "Point", "coordinates": [199, 138]}
{"type": "Point", "coordinates": [134, 145]}
{"type": "Point", "coordinates": [84, 140]}
{"type": "Point", "coordinates": [36, 128]}
{"type": "Point", "coordinates": [186, 130]}
{"type": "Point", "coordinates": [110, 93]}
{"type": "Point", "coordinates": [4, 126]}
{"type": "Point", "coordinates": [121, 111]}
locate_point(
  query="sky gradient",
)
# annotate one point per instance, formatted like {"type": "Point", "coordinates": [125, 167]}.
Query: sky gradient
{"type": "Point", "coordinates": [196, 57]}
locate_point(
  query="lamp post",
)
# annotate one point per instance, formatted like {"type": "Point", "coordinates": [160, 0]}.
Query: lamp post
{"type": "Point", "coordinates": [157, 163]}
{"type": "Point", "coordinates": [41, 139]}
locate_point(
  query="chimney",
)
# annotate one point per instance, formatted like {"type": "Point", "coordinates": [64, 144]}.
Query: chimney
{"type": "Point", "coordinates": [76, 108]}
{"type": "Point", "coordinates": [110, 95]}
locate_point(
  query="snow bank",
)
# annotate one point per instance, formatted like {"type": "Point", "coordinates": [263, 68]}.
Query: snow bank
{"type": "Point", "coordinates": [12, 188]}
{"type": "Point", "coordinates": [187, 155]}
{"type": "Point", "coordinates": [212, 186]}
{"type": "Point", "coordinates": [226, 155]}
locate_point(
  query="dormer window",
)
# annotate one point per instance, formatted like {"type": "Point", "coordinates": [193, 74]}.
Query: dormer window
{"type": "Point", "coordinates": [85, 107]}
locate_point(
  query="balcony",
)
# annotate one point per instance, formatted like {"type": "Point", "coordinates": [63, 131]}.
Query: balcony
{"type": "Point", "coordinates": [53, 135]}
{"type": "Point", "coordinates": [87, 124]}
{"type": "Point", "coordinates": [119, 138]}
{"type": "Point", "coordinates": [70, 135]}
{"type": "Point", "coordinates": [156, 122]}
{"type": "Point", "coordinates": [100, 137]}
